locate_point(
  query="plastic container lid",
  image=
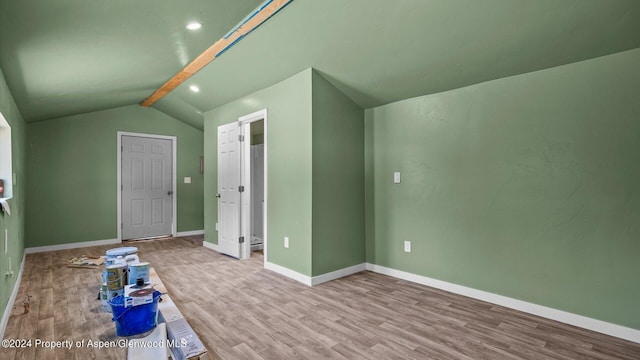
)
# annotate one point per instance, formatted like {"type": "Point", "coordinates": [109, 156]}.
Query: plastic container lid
{"type": "Point", "coordinates": [122, 251]}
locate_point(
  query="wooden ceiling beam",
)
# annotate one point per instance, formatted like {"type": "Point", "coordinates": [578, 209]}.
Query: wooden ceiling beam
{"type": "Point", "coordinates": [216, 50]}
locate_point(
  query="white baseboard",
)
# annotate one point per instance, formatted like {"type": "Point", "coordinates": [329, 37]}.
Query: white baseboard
{"type": "Point", "coordinates": [600, 326]}
{"type": "Point", "coordinates": [12, 300]}
{"type": "Point", "coordinates": [39, 249]}
{"type": "Point", "coordinates": [190, 233]}
{"type": "Point", "coordinates": [338, 274]}
{"type": "Point", "coordinates": [289, 273]}
{"type": "Point", "coordinates": [211, 246]}
{"type": "Point", "coordinates": [316, 280]}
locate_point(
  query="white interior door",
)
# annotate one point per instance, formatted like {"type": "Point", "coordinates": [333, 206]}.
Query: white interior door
{"type": "Point", "coordinates": [147, 187]}
{"type": "Point", "coordinates": [228, 190]}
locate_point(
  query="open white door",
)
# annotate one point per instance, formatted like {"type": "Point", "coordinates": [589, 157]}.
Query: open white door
{"type": "Point", "coordinates": [228, 190]}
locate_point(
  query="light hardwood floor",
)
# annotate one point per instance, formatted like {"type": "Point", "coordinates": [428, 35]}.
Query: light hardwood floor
{"type": "Point", "coordinates": [242, 311]}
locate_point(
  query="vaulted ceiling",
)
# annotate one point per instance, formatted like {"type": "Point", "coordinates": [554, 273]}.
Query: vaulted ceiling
{"type": "Point", "coordinates": [66, 57]}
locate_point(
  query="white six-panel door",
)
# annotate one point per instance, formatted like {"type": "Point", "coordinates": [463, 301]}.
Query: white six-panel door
{"type": "Point", "coordinates": [147, 188]}
{"type": "Point", "coordinates": [228, 193]}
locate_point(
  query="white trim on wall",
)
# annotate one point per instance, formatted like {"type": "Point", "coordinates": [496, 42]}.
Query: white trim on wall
{"type": "Point", "coordinates": [600, 326]}
{"type": "Point", "coordinates": [12, 299]}
{"type": "Point", "coordinates": [76, 245]}
{"type": "Point", "coordinates": [319, 279]}
{"type": "Point", "coordinates": [315, 280]}
{"type": "Point", "coordinates": [288, 273]}
{"type": "Point", "coordinates": [6, 169]}
{"type": "Point", "coordinates": [190, 233]}
{"type": "Point", "coordinates": [174, 142]}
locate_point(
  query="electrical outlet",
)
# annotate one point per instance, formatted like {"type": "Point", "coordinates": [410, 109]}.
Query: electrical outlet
{"type": "Point", "coordinates": [407, 246]}
{"type": "Point", "coordinates": [286, 242]}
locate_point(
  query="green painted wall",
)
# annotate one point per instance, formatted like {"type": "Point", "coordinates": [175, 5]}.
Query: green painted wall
{"type": "Point", "coordinates": [288, 137]}
{"type": "Point", "coordinates": [527, 186]}
{"type": "Point", "coordinates": [338, 176]}
{"type": "Point", "coordinates": [14, 223]}
{"type": "Point", "coordinates": [73, 165]}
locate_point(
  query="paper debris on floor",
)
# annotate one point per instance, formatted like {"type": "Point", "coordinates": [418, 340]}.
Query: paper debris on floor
{"type": "Point", "coordinates": [87, 262]}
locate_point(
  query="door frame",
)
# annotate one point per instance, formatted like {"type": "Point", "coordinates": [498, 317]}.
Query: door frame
{"type": "Point", "coordinates": [245, 180]}
{"type": "Point", "coordinates": [174, 145]}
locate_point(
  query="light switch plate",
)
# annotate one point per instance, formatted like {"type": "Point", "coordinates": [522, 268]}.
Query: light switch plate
{"type": "Point", "coordinates": [396, 177]}
{"type": "Point", "coordinates": [407, 246]}
{"type": "Point", "coordinates": [187, 179]}
{"type": "Point", "coordinates": [286, 242]}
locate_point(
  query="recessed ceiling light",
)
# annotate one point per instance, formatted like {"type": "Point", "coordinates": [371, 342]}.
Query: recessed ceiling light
{"type": "Point", "coordinates": [194, 26]}
{"type": "Point", "coordinates": [194, 88]}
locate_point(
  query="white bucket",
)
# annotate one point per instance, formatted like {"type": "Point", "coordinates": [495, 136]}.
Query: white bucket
{"type": "Point", "coordinates": [137, 271]}
{"type": "Point", "coordinates": [131, 259]}
{"type": "Point", "coordinates": [121, 251]}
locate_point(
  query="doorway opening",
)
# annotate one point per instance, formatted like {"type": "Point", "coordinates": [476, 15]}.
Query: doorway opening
{"type": "Point", "coordinates": [256, 207]}
{"type": "Point", "coordinates": [253, 176]}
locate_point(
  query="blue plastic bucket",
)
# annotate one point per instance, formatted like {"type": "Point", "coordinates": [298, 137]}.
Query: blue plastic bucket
{"type": "Point", "coordinates": [136, 319]}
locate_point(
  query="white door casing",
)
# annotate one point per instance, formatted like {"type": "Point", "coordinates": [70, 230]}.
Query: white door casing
{"type": "Point", "coordinates": [245, 196]}
{"type": "Point", "coordinates": [146, 177]}
{"type": "Point", "coordinates": [245, 123]}
{"type": "Point", "coordinates": [228, 191]}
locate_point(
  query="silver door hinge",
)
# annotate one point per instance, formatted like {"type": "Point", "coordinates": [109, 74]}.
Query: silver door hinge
{"type": "Point", "coordinates": [241, 239]}
{"type": "Point", "coordinates": [241, 188]}
{"type": "Point", "coordinates": [240, 138]}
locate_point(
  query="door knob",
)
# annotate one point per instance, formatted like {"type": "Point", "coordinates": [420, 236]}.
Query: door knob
{"type": "Point", "coordinates": [170, 192]}
{"type": "Point", "coordinates": [218, 195]}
